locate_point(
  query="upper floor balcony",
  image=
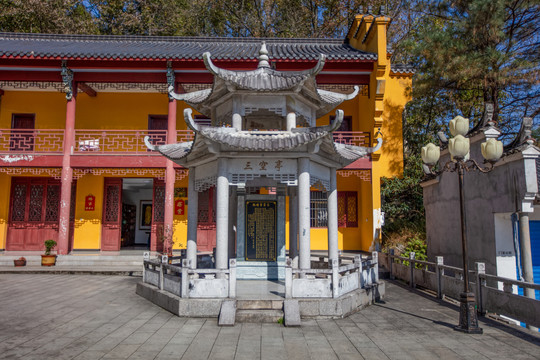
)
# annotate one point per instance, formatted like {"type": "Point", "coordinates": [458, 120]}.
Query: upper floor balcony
{"type": "Point", "coordinates": [23, 144]}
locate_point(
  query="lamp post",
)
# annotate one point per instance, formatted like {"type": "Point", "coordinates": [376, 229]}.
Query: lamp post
{"type": "Point", "coordinates": [459, 146]}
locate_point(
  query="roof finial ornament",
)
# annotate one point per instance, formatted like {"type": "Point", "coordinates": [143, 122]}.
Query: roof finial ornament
{"type": "Point", "coordinates": [263, 57]}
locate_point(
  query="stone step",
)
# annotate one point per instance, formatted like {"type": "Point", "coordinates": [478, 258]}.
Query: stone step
{"type": "Point", "coordinates": [259, 304]}
{"type": "Point", "coordinates": [259, 316]}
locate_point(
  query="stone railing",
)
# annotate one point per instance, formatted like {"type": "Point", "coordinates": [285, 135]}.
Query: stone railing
{"type": "Point", "coordinates": [183, 281]}
{"type": "Point", "coordinates": [331, 282]}
{"type": "Point", "coordinates": [448, 281]}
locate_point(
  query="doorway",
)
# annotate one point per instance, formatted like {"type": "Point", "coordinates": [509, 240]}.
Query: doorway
{"type": "Point", "coordinates": [137, 194]}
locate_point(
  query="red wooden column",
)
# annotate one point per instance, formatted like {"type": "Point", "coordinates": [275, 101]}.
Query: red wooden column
{"type": "Point", "coordinates": [67, 171]}
{"type": "Point", "coordinates": [169, 171]}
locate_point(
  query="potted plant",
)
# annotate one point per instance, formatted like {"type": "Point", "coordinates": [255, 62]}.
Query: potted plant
{"type": "Point", "coordinates": [47, 259]}
{"type": "Point", "coordinates": [20, 261]}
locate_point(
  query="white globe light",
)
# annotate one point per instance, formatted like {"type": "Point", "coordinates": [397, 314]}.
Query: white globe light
{"type": "Point", "coordinates": [459, 126]}
{"type": "Point", "coordinates": [431, 154]}
{"type": "Point", "coordinates": [492, 150]}
{"type": "Point", "coordinates": [459, 146]}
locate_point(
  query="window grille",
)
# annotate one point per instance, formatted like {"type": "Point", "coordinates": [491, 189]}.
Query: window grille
{"type": "Point", "coordinates": [347, 209]}
{"type": "Point", "coordinates": [319, 209]}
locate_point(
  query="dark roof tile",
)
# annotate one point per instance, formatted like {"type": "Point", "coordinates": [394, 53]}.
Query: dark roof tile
{"type": "Point", "coordinates": [173, 47]}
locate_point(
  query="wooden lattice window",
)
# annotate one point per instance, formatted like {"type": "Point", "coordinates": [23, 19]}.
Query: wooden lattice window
{"type": "Point", "coordinates": [159, 203]}
{"type": "Point", "coordinates": [207, 205]}
{"type": "Point", "coordinates": [35, 200]}
{"type": "Point", "coordinates": [347, 209]}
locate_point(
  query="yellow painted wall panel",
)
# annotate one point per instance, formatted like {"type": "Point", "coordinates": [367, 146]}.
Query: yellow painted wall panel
{"type": "Point", "coordinates": [87, 233]}
{"type": "Point", "coordinates": [49, 108]}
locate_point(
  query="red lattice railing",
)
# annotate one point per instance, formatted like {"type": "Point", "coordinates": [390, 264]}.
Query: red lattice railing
{"type": "Point", "coordinates": [116, 142]}
{"type": "Point", "coordinates": [357, 138]}
{"type": "Point", "coordinates": [22, 141]}
{"type": "Point", "coordinates": [184, 135]}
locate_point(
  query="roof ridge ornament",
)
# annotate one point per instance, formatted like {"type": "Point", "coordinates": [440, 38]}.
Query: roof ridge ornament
{"type": "Point", "coordinates": [263, 57]}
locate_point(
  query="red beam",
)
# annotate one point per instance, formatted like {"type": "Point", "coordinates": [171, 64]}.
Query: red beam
{"type": "Point", "coordinates": [87, 89]}
{"type": "Point", "coordinates": [38, 161]}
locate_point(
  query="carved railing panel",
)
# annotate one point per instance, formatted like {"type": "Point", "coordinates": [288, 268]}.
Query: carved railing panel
{"type": "Point", "coordinates": [357, 138]}
{"type": "Point", "coordinates": [116, 142]}
{"type": "Point", "coordinates": [23, 141]}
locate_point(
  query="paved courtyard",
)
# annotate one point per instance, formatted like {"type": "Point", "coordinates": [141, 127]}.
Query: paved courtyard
{"type": "Point", "coordinates": [101, 317]}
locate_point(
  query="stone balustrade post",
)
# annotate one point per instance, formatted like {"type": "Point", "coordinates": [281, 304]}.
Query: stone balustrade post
{"type": "Point", "coordinates": [439, 272]}
{"type": "Point", "coordinates": [375, 268]}
{"type": "Point", "coordinates": [232, 278]}
{"type": "Point", "coordinates": [288, 278]}
{"type": "Point", "coordinates": [358, 264]}
{"type": "Point", "coordinates": [185, 277]}
{"type": "Point", "coordinates": [411, 267]}
{"type": "Point", "coordinates": [335, 278]}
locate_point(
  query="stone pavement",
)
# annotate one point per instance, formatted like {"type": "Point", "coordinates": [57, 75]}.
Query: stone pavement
{"type": "Point", "coordinates": [100, 317]}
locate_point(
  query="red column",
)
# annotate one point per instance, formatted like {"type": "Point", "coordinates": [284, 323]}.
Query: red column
{"type": "Point", "coordinates": [67, 175]}
{"type": "Point", "coordinates": [170, 173]}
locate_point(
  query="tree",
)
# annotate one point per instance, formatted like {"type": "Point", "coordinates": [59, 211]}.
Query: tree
{"type": "Point", "coordinates": [50, 16]}
{"type": "Point", "coordinates": [486, 51]}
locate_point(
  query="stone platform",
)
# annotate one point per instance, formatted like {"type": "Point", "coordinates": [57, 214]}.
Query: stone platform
{"type": "Point", "coordinates": [309, 308]}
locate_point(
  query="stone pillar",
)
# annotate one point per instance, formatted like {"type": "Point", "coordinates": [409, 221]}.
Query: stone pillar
{"type": "Point", "coordinates": [193, 212]}
{"type": "Point", "coordinates": [291, 121]}
{"type": "Point", "coordinates": [222, 215]}
{"type": "Point", "coordinates": [170, 178]}
{"type": "Point", "coordinates": [293, 227]}
{"type": "Point", "coordinates": [232, 223]}
{"type": "Point", "coordinates": [333, 218]}
{"type": "Point", "coordinates": [526, 256]}
{"type": "Point", "coordinates": [67, 175]}
{"type": "Point", "coordinates": [304, 213]}
{"type": "Point", "coordinates": [241, 223]}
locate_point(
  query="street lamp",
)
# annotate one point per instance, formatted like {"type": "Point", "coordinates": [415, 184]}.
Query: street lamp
{"type": "Point", "coordinates": [459, 146]}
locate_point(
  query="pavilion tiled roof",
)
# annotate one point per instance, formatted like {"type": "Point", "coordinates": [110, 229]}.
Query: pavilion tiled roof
{"type": "Point", "coordinates": [402, 69]}
{"type": "Point", "coordinates": [172, 47]}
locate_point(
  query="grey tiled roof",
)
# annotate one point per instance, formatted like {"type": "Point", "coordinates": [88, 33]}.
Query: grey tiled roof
{"type": "Point", "coordinates": [402, 69]}
{"type": "Point", "coordinates": [172, 47]}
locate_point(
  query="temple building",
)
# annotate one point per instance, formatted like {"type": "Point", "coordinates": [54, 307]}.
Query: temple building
{"type": "Point", "coordinates": [250, 132]}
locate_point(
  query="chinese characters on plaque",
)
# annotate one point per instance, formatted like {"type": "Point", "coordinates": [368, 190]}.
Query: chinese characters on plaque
{"type": "Point", "coordinates": [261, 230]}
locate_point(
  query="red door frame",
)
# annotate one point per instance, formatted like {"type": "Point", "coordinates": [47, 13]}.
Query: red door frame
{"type": "Point", "coordinates": [158, 216]}
{"type": "Point", "coordinates": [112, 215]}
{"type": "Point", "coordinates": [206, 222]}
{"type": "Point", "coordinates": [28, 234]}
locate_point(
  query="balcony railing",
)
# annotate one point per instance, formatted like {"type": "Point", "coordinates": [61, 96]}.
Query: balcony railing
{"type": "Point", "coordinates": [22, 141]}
{"type": "Point", "coordinates": [357, 138]}
{"type": "Point", "coordinates": [114, 142]}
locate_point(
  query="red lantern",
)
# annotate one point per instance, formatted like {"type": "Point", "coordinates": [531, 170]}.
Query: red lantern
{"type": "Point", "coordinates": [90, 203]}
{"type": "Point", "coordinates": [179, 207]}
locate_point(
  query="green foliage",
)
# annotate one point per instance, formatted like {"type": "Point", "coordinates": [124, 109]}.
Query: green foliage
{"type": "Point", "coordinates": [419, 247]}
{"type": "Point", "coordinates": [402, 200]}
{"type": "Point", "coordinates": [49, 245]}
{"type": "Point", "coordinates": [280, 321]}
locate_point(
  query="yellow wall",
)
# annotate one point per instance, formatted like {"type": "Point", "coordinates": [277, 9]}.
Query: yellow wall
{"type": "Point", "coordinates": [88, 223]}
{"type": "Point", "coordinates": [49, 107]}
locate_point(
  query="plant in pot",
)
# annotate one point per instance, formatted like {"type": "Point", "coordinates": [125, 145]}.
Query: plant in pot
{"type": "Point", "coordinates": [47, 259]}
{"type": "Point", "coordinates": [20, 261]}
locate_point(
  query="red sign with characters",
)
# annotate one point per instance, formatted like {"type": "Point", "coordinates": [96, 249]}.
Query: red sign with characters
{"type": "Point", "coordinates": [179, 207]}
{"type": "Point", "coordinates": [90, 203]}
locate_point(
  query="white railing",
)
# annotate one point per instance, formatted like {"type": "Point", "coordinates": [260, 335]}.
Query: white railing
{"type": "Point", "coordinates": [183, 281]}
{"type": "Point", "coordinates": [448, 281]}
{"type": "Point", "coordinates": [332, 282]}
